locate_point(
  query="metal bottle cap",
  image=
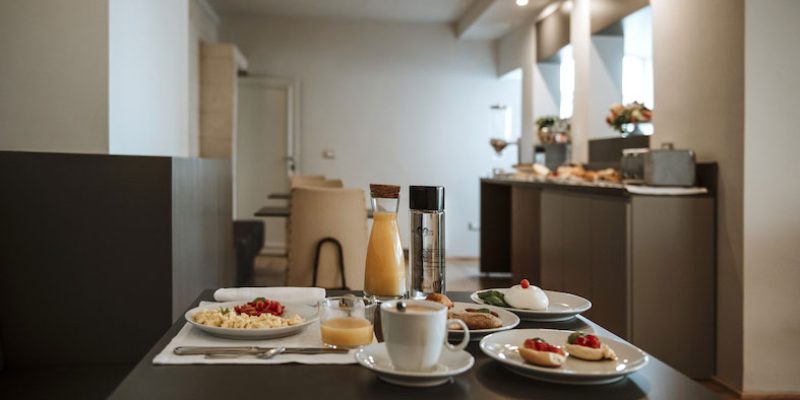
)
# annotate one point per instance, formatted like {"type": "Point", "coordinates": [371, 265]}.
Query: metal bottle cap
{"type": "Point", "coordinates": [430, 198]}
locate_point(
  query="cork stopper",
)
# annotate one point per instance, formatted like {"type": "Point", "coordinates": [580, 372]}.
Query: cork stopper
{"type": "Point", "coordinates": [384, 191]}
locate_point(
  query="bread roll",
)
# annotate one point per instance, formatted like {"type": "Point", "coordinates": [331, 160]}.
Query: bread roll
{"type": "Point", "coordinates": [590, 353]}
{"type": "Point", "coordinates": [477, 320]}
{"type": "Point", "coordinates": [440, 298]}
{"type": "Point", "coordinates": [542, 358]}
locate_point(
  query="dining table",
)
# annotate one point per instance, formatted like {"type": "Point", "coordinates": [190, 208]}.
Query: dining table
{"type": "Point", "coordinates": [487, 379]}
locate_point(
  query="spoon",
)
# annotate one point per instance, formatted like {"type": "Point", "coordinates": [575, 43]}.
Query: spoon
{"type": "Point", "coordinates": [263, 356]}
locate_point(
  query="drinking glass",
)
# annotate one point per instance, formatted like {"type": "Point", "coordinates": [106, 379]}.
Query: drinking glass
{"type": "Point", "coordinates": [347, 321]}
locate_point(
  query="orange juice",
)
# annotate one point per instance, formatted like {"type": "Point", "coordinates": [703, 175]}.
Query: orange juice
{"type": "Point", "coordinates": [346, 332]}
{"type": "Point", "coordinates": [385, 274]}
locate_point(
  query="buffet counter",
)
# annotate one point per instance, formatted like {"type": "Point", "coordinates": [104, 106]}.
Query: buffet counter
{"type": "Point", "coordinates": [647, 263]}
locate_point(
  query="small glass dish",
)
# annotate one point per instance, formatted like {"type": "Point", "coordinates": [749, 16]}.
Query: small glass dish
{"type": "Point", "coordinates": [347, 321]}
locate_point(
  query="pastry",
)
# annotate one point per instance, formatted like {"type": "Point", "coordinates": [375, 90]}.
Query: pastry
{"type": "Point", "coordinates": [588, 347]}
{"type": "Point", "coordinates": [538, 352]}
{"type": "Point", "coordinates": [476, 320]}
{"type": "Point", "coordinates": [440, 298]}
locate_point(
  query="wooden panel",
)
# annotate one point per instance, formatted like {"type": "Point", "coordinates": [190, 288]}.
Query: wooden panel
{"type": "Point", "coordinates": [202, 234]}
{"type": "Point", "coordinates": [577, 244]}
{"type": "Point", "coordinates": [673, 276]}
{"type": "Point", "coordinates": [609, 264]}
{"type": "Point", "coordinates": [495, 227]}
{"type": "Point", "coordinates": [552, 242]}
{"type": "Point", "coordinates": [90, 233]}
{"type": "Point", "coordinates": [525, 234]}
{"type": "Point", "coordinates": [552, 34]}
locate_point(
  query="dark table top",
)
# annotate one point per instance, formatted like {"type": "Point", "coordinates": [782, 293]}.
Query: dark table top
{"type": "Point", "coordinates": [487, 379]}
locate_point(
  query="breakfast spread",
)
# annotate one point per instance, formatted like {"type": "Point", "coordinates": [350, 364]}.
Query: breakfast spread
{"type": "Point", "coordinates": [588, 347]}
{"type": "Point", "coordinates": [257, 314]}
{"type": "Point", "coordinates": [526, 296]}
{"type": "Point", "coordinates": [537, 351]}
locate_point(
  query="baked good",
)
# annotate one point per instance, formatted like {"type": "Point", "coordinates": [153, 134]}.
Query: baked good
{"type": "Point", "coordinates": [476, 320]}
{"type": "Point", "coordinates": [588, 347]}
{"type": "Point", "coordinates": [538, 352]}
{"type": "Point", "coordinates": [440, 298]}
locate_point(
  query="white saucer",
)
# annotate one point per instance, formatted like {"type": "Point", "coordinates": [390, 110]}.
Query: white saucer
{"type": "Point", "coordinates": [451, 363]}
{"type": "Point", "coordinates": [502, 346]}
{"type": "Point", "coordinates": [563, 306]}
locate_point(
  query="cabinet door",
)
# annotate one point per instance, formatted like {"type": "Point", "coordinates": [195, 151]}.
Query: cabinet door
{"type": "Point", "coordinates": [551, 241]}
{"type": "Point", "coordinates": [525, 234]}
{"type": "Point", "coordinates": [609, 264]}
{"type": "Point", "coordinates": [495, 227]}
{"type": "Point", "coordinates": [577, 245]}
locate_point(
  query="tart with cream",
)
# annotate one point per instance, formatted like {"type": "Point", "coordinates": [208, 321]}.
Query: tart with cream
{"type": "Point", "coordinates": [538, 352]}
{"type": "Point", "coordinates": [588, 347]}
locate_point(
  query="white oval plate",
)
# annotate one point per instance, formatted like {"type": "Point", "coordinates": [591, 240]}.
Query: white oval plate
{"type": "Point", "coordinates": [509, 319]}
{"type": "Point", "coordinates": [451, 363]}
{"type": "Point", "coordinates": [563, 306]}
{"type": "Point", "coordinates": [503, 346]}
{"type": "Point", "coordinates": [308, 313]}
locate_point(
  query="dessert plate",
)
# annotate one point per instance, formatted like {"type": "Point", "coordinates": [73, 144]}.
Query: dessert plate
{"type": "Point", "coordinates": [509, 319]}
{"type": "Point", "coordinates": [503, 346]}
{"type": "Point", "coordinates": [451, 363]}
{"type": "Point", "coordinates": [308, 313]}
{"type": "Point", "coordinates": [563, 306]}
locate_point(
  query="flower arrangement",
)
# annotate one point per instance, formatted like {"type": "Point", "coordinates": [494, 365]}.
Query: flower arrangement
{"type": "Point", "coordinates": [546, 121]}
{"type": "Point", "coordinates": [633, 113]}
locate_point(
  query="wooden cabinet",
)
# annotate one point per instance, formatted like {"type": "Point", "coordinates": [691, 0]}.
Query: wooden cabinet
{"type": "Point", "coordinates": [525, 234]}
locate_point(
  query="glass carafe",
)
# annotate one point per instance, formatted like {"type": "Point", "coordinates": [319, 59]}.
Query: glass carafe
{"type": "Point", "coordinates": [385, 274]}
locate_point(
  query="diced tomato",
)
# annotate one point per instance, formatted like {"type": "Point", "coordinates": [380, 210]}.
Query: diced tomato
{"type": "Point", "coordinates": [540, 345]}
{"type": "Point", "coordinates": [260, 306]}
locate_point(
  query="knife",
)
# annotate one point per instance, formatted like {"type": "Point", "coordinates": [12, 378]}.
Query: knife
{"type": "Point", "coordinates": [242, 350]}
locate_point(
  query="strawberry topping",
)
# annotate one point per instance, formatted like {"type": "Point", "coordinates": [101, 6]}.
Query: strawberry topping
{"type": "Point", "coordinates": [539, 344]}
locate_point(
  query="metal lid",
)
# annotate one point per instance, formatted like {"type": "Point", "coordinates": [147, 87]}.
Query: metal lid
{"type": "Point", "coordinates": [429, 198]}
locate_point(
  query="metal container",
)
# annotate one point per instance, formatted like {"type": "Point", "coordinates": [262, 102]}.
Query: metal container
{"type": "Point", "coordinates": [426, 251]}
{"type": "Point", "coordinates": [669, 167]}
{"type": "Point", "coordinates": [632, 164]}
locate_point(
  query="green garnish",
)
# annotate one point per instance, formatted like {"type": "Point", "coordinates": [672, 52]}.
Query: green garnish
{"type": "Point", "coordinates": [259, 298]}
{"type": "Point", "coordinates": [574, 336]}
{"type": "Point", "coordinates": [224, 311]}
{"type": "Point", "coordinates": [493, 297]}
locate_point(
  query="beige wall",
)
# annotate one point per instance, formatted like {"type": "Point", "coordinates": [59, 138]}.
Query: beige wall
{"type": "Point", "coordinates": [581, 40]}
{"type": "Point", "coordinates": [699, 104]}
{"type": "Point", "coordinates": [398, 103]}
{"type": "Point", "coordinates": [203, 25]}
{"type": "Point", "coordinates": [54, 76]}
{"type": "Point", "coordinates": [771, 197]}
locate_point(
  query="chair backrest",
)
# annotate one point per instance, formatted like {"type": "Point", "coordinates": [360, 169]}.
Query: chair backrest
{"type": "Point", "coordinates": [320, 183]}
{"type": "Point", "coordinates": [319, 213]}
{"type": "Point", "coordinates": [302, 180]}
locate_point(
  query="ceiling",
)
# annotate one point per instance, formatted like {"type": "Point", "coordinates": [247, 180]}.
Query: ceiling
{"type": "Point", "coordinates": [441, 11]}
{"type": "Point", "coordinates": [485, 19]}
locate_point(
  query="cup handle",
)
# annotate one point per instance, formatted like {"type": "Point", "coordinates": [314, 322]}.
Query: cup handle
{"type": "Point", "coordinates": [464, 341]}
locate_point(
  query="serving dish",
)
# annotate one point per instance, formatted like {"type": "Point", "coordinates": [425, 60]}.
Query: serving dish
{"type": "Point", "coordinates": [308, 313]}
{"type": "Point", "coordinates": [502, 347]}
{"type": "Point", "coordinates": [563, 306]}
{"type": "Point", "coordinates": [451, 363]}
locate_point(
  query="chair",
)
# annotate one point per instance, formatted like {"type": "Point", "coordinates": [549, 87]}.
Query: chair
{"type": "Point", "coordinates": [327, 241]}
{"type": "Point", "coordinates": [300, 180]}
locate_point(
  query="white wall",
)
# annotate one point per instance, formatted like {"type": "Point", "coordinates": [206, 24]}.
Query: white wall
{"type": "Point", "coordinates": [605, 71]}
{"type": "Point", "coordinates": [517, 50]}
{"type": "Point", "coordinates": [398, 103]}
{"type": "Point", "coordinates": [581, 39]}
{"type": "Point", "coordinates": [54, 76]}
{"type": "Point", "coordinates": [698, 58]}
{"type": "Point", "coordinates": [771, 197]}
{"type": "Point", "coordinates": [148, 78]}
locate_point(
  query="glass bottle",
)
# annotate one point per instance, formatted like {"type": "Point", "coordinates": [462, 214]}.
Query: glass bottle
{"type": "Point", "coordinates": [385, 272]}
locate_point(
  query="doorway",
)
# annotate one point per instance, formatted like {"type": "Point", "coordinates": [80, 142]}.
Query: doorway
{"type": "Point", "coordinates": [265, 150]}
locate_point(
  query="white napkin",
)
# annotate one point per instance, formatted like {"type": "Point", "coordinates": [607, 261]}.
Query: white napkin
{"type": "Point", "coordinates": [190, 336]}
{"type": "Point", "coordinates": [304, 295]}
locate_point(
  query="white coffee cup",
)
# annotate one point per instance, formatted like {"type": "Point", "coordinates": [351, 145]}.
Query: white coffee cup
{"type": "Point", "coordinates": [416, 332]}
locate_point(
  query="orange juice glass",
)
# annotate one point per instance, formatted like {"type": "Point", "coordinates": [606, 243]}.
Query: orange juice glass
{"type": "Point", "coordinates": [347, 321]}
{"type": "Point", "coordinates": [385, 273]}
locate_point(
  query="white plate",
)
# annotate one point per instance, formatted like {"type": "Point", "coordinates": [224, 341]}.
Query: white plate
{"type": "Point", "coordinates": [502, 347]}
{"type": "Point", "coordinates": [308, 313]}
{"type": "Point", "coordinates": [451, 363]}
{"type": "Point", "coordinates": [509, 319]}
{"type": "Point", "coordinates": [563, 306]}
